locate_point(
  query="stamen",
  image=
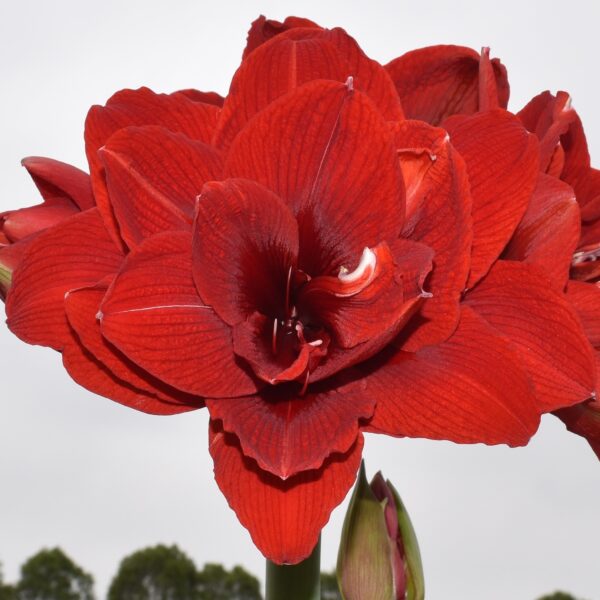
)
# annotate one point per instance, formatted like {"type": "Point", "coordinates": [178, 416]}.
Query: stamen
{"type": "Point", "coordinates": [586, 256]}
{"type": "Point", "coordinates": [288, 286]}
{"type": "Point", "coordinates": [305, 384]}
{"type": "Point", "coordinates": [315, 343]}
{"type": "Point", "coordinates": [274, 338]}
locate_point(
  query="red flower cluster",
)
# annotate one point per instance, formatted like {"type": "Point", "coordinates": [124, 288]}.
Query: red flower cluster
{"type": "Point", "coordinates": [335, 247]}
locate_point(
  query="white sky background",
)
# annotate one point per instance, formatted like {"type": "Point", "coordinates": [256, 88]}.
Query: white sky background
{"type": "Point", "coordinates": [101, 480]}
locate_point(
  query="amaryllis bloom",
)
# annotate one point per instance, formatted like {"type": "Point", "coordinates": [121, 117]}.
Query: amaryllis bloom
{"type": "Point", "coordinates": [310, 264]}
{"type": "Point", "coordinates": [566, 158]}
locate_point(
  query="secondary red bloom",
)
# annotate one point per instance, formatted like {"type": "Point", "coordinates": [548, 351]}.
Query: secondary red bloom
{"type": "Point", "coordinates": [310, 264]}
{"type": "Point", "coordinates": [566, 158]}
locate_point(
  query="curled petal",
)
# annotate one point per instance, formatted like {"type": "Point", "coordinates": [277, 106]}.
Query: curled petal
{"type": "Point", "coordinates": [360, 305]}
{"type": "Point", "coordinates": [468, 389]}
{"type": "Point", "coordinates": [58, 180]}
{"type": "Point", "coordinates": [154, 315]}
{"type": "Point", "coordinates": [19, 224]}
{"type": "Point", "coordinates": [437, 82]}
{"type": "Point", "coordinates": [284, 517]}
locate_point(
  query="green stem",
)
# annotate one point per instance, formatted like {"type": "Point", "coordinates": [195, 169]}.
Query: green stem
{"type": "Point", "coordinates": [295, 582]}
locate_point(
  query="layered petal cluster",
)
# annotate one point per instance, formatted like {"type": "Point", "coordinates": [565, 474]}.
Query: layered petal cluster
{"type": "Point", "coordinates": [334, 247]}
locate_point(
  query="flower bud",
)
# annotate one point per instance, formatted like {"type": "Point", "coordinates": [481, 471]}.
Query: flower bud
{"type": "Point", "coordinates": [379, 555]}
{"type": "Point", "coordinates": [9, 257]}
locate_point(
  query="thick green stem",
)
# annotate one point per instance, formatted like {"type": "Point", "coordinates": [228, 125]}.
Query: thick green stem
{"type": "Point", "coordinates": [296, 582]}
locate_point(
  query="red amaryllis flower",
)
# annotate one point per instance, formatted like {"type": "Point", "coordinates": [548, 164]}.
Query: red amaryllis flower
{"type": "Point", "coordinates": [310, 264]}
{"type": "Point", "coordinates": [566, 158]}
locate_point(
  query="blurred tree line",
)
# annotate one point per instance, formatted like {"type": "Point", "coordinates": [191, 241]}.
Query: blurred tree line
{"type": "Point", "coordinates": [155, 573]}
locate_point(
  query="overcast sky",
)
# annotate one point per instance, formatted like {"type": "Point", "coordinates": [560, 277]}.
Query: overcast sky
{"type": "Point", "coordinates": [101, 480]}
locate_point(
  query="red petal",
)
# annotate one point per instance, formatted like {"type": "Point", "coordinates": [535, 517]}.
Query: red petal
{"type": "Point", "coordinates": [577, 171]}
{"type": "Point", "coordinates": [437, 82]}
{"type": "Point", "coordinates": [274, 69]}
{"type": "Point", "coordinates": [585, 298]}
{"type": "Point", "coordinates": [153, 314]}
{"type": "Point", "coordinates": [367, 74]}
{"type": "Point", "coordinates": [584, 420]}
{"type": "Point", "coordinates": [368, 302]}
{"type": "Point", "coordinates": [521, 305]}
{"type": "Point", "coordinates": [549, 231]}
{"type": "Point", "coordinates": [245, 243]}
{"type": "Point", "coordinates": [101, 368]}
{"type": "Point", "coordinates": [326, 151]}
{"type": "Point", "coordinates": [287, 434]}
{"type": "Point", "coordinates": [154, 177]}
{"type": "Point", "coordinates": [468, 389]}
{"type": "Point", "coordinates": [56, 179]}
{"type": "Point", "coordinates": [549, 118]}
{"type": "Point", "coordinates": [488, 86]}
{"type": "Point", "coordinates": [176, 112]}
{"type": "Point", "coordinates": [263, 29]}
{"type": "Point", "coordinates": [75, 253]}
{"type": "Point", "coordinates": [205, 97]}
{"type": "Point", "coordinates": [284, 517]}
{"type": "Point", "coordinates": [18, 224]}
{"type": "Point", "coordinates": [502, 164]}
{"type": "Point", "coordinates": [438, 215]}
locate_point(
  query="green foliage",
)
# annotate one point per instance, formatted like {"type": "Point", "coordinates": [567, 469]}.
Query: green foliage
{"type": "Point", "coordinates": [52, 575]}
{"type": "Point", "coordinates": [7, 592]}
{"type": "Point", "coordinates": [157, 573]}
{"type": "Point", "coordinates": [329, 587]}
{"type": "Point", "coordinates": [215, 583]}
{"type": "Point", "coordinates": [167, 573]}
{"type": "Point", "coordinates": [558, 596]}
